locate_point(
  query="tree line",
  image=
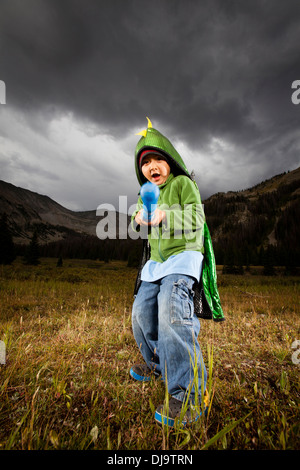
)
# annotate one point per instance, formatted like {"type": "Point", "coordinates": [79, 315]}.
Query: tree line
{"type": "Point", "coordinates": [237, 243]}
{"type": "Point", "coordinates": [73, 246]}
{"type": "Point", "coordinates": [241, 230]}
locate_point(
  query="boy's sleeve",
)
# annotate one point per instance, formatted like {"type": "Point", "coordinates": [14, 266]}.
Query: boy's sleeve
{"type": "Point", "coordinates": [139, 206]}
{"type": "Point", "coordinates": [186, 218]}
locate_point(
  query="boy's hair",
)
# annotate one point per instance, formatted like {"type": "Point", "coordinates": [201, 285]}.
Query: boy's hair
{"type": "Point", "coordinates": [151, 152]}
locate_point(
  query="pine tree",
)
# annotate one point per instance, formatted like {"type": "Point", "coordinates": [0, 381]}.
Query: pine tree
{"type": "Point", "coordinates": [7, 248]}
{"type": "Point", "coordinates": [32, 252]}
{"type": "Point", "coordinates": [59, 262]}
{"type": "Point", "coordinates": [268, 262]}
{"type": "Point", "coordinates": [228, 267]}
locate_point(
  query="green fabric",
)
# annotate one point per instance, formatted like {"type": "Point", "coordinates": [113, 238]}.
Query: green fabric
{"type": "Point", "coordinates": [182, 229]}
{"type": "Point", "coordinates": [209, 278]}
{"type": "Point", "coordinates": [154, 139]}
{"type": "Point", "coordinates": [180, 189]}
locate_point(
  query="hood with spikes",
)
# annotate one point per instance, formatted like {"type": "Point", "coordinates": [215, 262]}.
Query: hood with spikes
{"type": "Point", "coordinates": [153, 139]}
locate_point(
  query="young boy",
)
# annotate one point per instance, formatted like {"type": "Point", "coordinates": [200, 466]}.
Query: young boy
{"type": "Point", "coordinates": [164, 323]}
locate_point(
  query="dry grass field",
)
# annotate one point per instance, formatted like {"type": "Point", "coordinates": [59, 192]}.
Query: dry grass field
{"type": "Point", "coordinates": [69, 347]}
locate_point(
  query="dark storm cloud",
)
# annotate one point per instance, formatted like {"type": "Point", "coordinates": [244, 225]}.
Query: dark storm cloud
{"type": "Point", "coordinates": [184, 61]}
{"type": "Point", "coordinates": [201, 70]}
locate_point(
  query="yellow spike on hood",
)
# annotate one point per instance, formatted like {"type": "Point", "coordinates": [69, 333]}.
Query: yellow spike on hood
{"type": "Point", "coordinates": [149, 123]}
{"type": "Point", "coordinates": [144, 132]}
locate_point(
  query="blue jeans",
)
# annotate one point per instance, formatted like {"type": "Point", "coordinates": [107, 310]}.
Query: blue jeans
{"type": "Point", "coordinates": [166, 330]}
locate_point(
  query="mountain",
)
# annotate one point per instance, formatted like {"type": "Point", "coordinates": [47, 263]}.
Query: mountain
{"type": "Point", "coordinates": [28, 212]}
{"type": "Point", "coordinates": [259, 225]}
{"type": "Point", "coordinates": [261, 222]}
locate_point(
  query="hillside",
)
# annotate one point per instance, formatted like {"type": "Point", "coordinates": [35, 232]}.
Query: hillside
{"type": "Point", "coordinates": [28, 211]}
{"type": "Point", "coordinates": [62, 232]}
{"type": "Point", "coordinates": [263, 221]}
{"type": "Point", "coordinates": [258, 225]}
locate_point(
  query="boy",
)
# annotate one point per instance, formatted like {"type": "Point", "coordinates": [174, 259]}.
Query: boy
{"type": "Point", "coordinates": [164, 323]}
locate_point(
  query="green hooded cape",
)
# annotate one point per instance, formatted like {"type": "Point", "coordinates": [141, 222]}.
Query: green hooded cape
{"type": "Point", "coordinates": [206, 299]}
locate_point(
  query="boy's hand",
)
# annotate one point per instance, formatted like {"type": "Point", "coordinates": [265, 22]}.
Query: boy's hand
{"type": "Point", "coordinates": [157, 218]}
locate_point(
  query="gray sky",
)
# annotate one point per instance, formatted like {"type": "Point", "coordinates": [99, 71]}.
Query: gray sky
{"type": "Point", "coordinates": [214, 76]}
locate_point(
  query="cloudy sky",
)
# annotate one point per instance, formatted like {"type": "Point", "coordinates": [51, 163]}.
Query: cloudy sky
{"type": "Point", "coordinates": [214, 76]}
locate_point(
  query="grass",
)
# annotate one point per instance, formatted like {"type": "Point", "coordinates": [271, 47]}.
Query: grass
{"type": "Point", "coordinates": [69, 347]}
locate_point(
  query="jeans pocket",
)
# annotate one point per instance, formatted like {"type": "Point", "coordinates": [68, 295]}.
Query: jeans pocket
{"type": "Point", "coordinates": [182, 304]}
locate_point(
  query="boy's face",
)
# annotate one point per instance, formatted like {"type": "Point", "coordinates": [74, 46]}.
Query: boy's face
{"type": "Point", "coordinates": [155, 169]}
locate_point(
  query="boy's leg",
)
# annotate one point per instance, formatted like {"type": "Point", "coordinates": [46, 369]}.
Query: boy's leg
{"type": "Point", "coordinates": [145, 323]}
{"type": "Point", "coordinates": [177, 337]}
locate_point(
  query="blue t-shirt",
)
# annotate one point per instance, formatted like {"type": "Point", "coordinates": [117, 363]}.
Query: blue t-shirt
{"type": "Point", "coordinates": [188, 263]}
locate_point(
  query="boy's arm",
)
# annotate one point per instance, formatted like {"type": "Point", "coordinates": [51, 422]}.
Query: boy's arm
{"type": "Point", "coordinates": [139, 206]}
{"type": "Point", "coordinates": [186, 218]}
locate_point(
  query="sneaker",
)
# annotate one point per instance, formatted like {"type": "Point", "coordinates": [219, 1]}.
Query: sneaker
{"type": "Point", "coordinates": [142, 373]}
{"type": "Point", "coordinates": [162, 416]}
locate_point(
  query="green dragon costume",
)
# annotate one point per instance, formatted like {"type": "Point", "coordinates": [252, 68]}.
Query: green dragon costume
{"type": "Point", "coordinates": [206, 299]}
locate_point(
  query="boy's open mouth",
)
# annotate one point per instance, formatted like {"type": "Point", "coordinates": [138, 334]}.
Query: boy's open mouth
{"type": "Point", "coordinates": [155, 175]}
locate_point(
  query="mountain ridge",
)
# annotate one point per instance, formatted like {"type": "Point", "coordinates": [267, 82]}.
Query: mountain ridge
{"type": "Point", "coordinates": [28, 211]}
{"type": "Point", "coordinates": [268, 185]}
{"type": "Point", "coordinates": [242, 223]}
{"type": "Point", "coordinates": [247, 223]}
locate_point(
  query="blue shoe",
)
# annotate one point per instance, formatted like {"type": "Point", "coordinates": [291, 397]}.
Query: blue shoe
{"type": "Point", "coordinates": [142, 373]}
{"type": "Point", "coordinates": [168, 417]}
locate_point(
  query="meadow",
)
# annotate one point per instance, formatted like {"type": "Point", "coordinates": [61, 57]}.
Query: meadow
{"type": "Point", "coordinates": [69, 347]}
